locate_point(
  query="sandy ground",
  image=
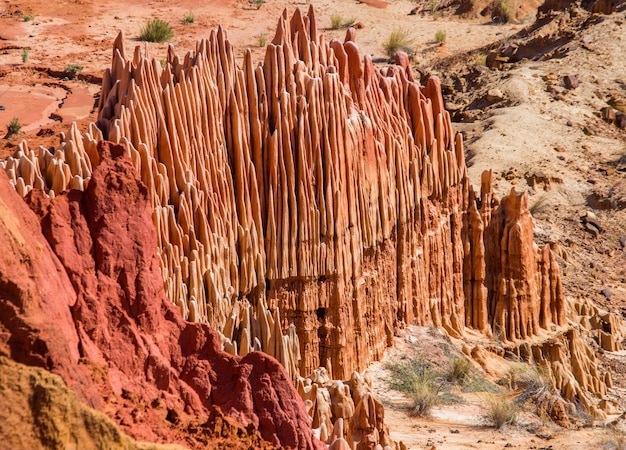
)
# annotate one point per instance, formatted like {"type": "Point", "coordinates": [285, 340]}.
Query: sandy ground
{"type": "Point", "coordinates": [538, 131]}
{"type": "Point", "coordinates": [39, 40]}
{"type": "Point", "coordinates": [463, 423]}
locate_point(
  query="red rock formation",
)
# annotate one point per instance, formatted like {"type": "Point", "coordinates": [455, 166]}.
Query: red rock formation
{"type": "Point", "coordinates": [313, 193]}
{"type": "Point", "coordinates": [117, 319]}
{"type": "Point", "coordinates": [523, 282]}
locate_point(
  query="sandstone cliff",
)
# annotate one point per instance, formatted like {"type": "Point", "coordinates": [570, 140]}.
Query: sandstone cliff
{"type": "Point", "coordinates": [310, 205]}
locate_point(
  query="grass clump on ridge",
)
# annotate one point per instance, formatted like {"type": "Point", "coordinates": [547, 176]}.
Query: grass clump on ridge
{"type": "Point", "coordinates": [399, 40]}
{"type": "Point", "coordinates": [14, 126]}
{"type": "Point", "coordinates": [156, 30]}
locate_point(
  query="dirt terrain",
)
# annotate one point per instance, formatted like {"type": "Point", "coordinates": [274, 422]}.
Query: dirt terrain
{"type": "Point", "coordinates": [535, 118]}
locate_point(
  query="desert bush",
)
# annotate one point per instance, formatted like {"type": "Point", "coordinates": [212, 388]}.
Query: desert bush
{"type": "Point", "coordinates": [24, 55]}
{"type": "Point", "coordinates": [541, 206]}
{"type": "Point", "coordinates": [73, 69]}
{"type": "Point", "coordinates": [506, 11]}
{"type": "Point", "coordinates": [28, 18]}
{"type": "Point", "coordinates": [337, 22]}
{"type": "Point", "coordinates": [189, 18]}
{"type": "Point", "coordinates": [416, 378]}
{"type": "Point", "coordinates": [262, 39]}
{"type": "Point", "coordinates": [501, 410]}
{"type": "Point", "coordinates": [156, 30]}
{"type": "Point", "coordinates": [459, 371]}
{"type": "Point", "coordinates": [399, 40]}
{"type": "Point", "coordinates": [527, 377]}
{"type": "Point", "coordinates": [405, 373]}
{"type": "Point", "coordinates": [424, 395]}
{"type": "Point", "coordinates": [440, 36]}
{"type": "Point", "coordinates": [433, 6]}
{"type": "Point", "coordinates": [14, 126]}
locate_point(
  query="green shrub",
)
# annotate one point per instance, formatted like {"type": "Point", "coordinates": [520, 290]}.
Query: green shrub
{"type": "Point", "coordinates": [73, 69]}
{"type": "Point", "coordinates": [24, 55]}
{"type": "Point", "coordinates": [399, 40]}
{"type": "Point", "coordinates": [262, 39]}
{"type": "Point", "coordinates": [440, 36]}
{"type": "Point", "coordinates": [14, 126]}
{"type": "Point", "coordinates": [501, 410]}
{"type": "Point", "coordinates": [28, 18]}
{"type": "Point", "coordinates": [156, 30]}
{"type": "Point", "coordinates": [259, 3]}
{"type": "Point", "coordinates": [189, 18]}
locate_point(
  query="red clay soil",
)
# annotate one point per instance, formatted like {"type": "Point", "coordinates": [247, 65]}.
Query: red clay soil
{"type": "Point", "coordinates": [89, 304]}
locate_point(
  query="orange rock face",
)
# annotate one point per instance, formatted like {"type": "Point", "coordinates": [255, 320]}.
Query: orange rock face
{"type": "Point", "coordinates": [314, 193]}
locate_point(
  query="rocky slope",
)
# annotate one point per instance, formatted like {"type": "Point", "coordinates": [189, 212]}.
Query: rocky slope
{"type": "Point", "coordinates": [90, 306]}
{"type": "Point", "coordinates": [41, 412]}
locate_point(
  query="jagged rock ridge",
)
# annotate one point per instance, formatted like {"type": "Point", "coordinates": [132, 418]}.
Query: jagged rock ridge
{"type": "Point", "coordinates": [313, 190]}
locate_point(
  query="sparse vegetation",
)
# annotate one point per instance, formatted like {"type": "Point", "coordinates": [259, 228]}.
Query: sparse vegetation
{"type": "Point", "coordinates": [399, 40]}
{"type": "Point", "coordinates": [432, 7]}
{"type": "Point", "coordinates": [541, 206]}
{"type": "Point", "coordinates": [481, 59]}
{"type": "Point", "coordinates": [526, 377]}
{"type": "Point", "coordinates": [459, 372]}
{"type": "Point", "coordinates": [24, 55]}
{"type": "Point", "coordinates": [14, 126]}
{"type": "Point", "coordinates": [404, 373]}
{"type": "Point", "coordinates": [28, 18]}
{"type": "Point", "coordinates": [506, 11]}
{"type": "Point", "coordinates": [156, 30]}
{"type": "Point", "coordinates": [425, 386]}
{"type": "Point", "coordinates": [424, 395]}
{"type": "Point", "coordinates": [189, 18]}
{"type": "Point", "coordinates": [73, 69]}
{"type": "Point", "coordinates": [440, 36]}
{"type": "Point", "coordinates": [338, 22]}
{"type": "Point", "coordinates": [259, 3]}
{"type": "Point", "coordinates": [501, 410]}
{"type": "Point", "coordinates": [262, 39]}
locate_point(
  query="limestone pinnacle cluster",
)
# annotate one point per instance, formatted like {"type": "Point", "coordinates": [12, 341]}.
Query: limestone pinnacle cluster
{"type": "Point", "coordinates": [311, 204]}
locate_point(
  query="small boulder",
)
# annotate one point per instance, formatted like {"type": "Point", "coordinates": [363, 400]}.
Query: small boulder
{"type": "Point", "coordinates": [494, 95]}
{"type": "Point", "coordinates": [571, 81]}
